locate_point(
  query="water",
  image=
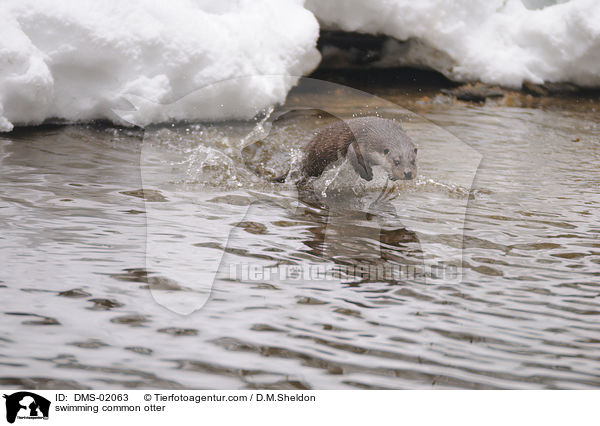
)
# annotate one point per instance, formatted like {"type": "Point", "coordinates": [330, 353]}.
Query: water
{"type": "Point", "coordinates": [104, 229]}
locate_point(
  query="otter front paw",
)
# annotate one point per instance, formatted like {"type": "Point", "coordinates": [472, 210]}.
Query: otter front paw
{"type": "Point", "coordinates": [366, 173]}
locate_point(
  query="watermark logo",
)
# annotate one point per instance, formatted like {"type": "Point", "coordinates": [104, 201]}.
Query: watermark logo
{"type": "Point", "coordinates": [26, 406]}
{"type": "Point", "coordinates": [205, 205]}
{"type": "Point", "coordinates": [305, 273]}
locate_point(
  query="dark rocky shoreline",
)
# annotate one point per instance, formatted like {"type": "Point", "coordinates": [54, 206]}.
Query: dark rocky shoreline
{"type": "Point", "coordinates": [355, 59]}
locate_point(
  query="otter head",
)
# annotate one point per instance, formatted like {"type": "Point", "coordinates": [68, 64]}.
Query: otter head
{"type": "Point", "coordinates": [382, 142]}
{"type": "Point", "coordinates": [401, 163]}
{"type": "Point", "coordinates": [396, 153]}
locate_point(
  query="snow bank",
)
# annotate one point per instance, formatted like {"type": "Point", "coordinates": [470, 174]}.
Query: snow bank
{"type": "Point", "coordinates": [502, 42]}
{"type": "Point", "coordinates": [80, 60]}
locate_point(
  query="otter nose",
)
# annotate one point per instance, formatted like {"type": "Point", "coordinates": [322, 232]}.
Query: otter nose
{"type": "Point", "coordinates": [408, 175]}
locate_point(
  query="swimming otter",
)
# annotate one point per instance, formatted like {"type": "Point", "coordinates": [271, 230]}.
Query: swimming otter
{"type": "Point", "coordinates": [366, 142]}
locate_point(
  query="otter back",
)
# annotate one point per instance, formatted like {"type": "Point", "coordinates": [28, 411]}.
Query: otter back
{"type": "Point", "coordinates": [328, 145]}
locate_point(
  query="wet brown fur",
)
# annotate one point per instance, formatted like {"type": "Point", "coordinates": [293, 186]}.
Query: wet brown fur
{"type": "Point", "coordinates": [330, 144]}
{"type": "Point", "coordinates": [373, 140]}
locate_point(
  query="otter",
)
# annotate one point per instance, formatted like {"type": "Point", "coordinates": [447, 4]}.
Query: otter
{"type": "Point", "coordinates": [366, 142]}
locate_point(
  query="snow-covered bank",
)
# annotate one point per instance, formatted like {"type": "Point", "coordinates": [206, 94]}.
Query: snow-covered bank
{"type": "Point", "coordinates": [494, 41]}
{"type": "Point", "coordinates": [79, 60]}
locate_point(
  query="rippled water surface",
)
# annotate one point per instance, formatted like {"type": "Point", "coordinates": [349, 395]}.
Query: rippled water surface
{"type": "Point", "coordinates": [111, 239]}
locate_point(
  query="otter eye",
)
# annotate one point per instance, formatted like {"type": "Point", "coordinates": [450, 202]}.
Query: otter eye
{"type": "Point", "coordinates": [396, 163]}
{"type": "Point", "coordinates": [386, 151]}
{"type": "Point", "coordinates": [415, 151]}
{"type": "Point", "coordinates": [412, 163]}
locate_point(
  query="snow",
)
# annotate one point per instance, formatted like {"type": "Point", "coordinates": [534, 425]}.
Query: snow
{"type": "Point", "coordinates": [504, 42]}
{"type": "Point", "coordinates": [84, 60]}
{"type": "Point", "coordinates": [81, 60]}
